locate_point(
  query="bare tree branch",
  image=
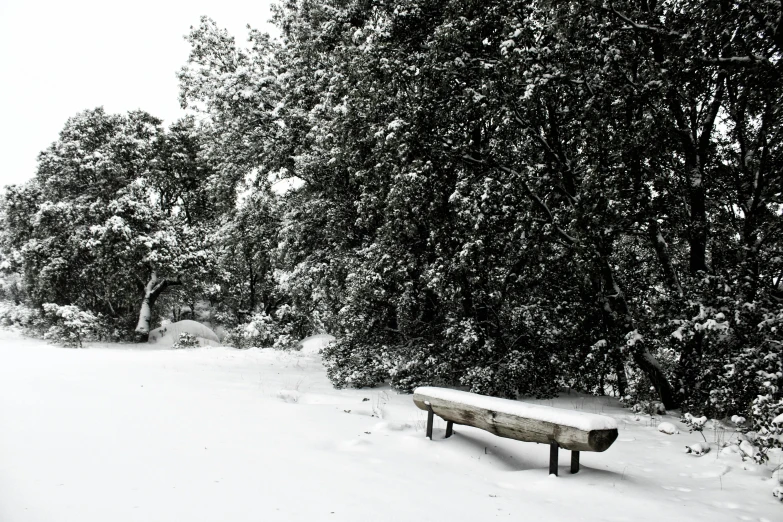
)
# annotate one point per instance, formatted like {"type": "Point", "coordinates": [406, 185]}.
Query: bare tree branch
{"type": "Point", "coordinates": [717, 100]}
{"type": "Point", "coordinates": [644, 27]}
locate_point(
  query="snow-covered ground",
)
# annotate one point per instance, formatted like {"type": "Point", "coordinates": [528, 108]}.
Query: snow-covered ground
{"type": "Point", "coordinates": [120, 433]}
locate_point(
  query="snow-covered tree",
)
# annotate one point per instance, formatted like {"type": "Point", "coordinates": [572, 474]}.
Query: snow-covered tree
{"type": "Point", "coordinates": [234, 90]}
{"type": "Point", "coordinates": [112, 218]}
{"type": "Point", "coordinates": [512, 194]}
{"type": "Point", "coordinates": [245, 240]}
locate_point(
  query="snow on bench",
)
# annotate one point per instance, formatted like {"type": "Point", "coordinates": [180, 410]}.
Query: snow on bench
{"type": "Point", "coordinates": [572, 430]}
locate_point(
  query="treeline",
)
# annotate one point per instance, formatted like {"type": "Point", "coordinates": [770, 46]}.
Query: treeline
{"type": "Point", "coordinates": [512, 197]}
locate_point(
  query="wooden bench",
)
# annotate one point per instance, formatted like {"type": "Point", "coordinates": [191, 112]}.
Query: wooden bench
{"type": "Point", "coordinates": [572, 430]}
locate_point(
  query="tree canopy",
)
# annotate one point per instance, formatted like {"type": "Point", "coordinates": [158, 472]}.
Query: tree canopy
{"type": "Point", "coordinates": [512, 197]}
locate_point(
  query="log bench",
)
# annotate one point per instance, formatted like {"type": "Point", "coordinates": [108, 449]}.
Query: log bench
{"type": "Point", "coordinates": [572, 430]}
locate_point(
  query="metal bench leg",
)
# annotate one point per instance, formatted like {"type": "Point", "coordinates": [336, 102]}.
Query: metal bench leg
{"type": "Point", "coordinates": [574, 462]}
{"type": "Point", "coordinates": [553, 458]}
{"type": "Point", "coordinates": [430, 421]}
{"type": "Point", "coordinates": [449, 429]}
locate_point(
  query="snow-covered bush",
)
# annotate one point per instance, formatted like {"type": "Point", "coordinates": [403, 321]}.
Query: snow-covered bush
{"type": "Point", "coordinates": [460, 357]}
{"type": "Point", "coordinates": [234, 338]}
{"type": "Point", "coordinates": [281, 330]}
{"type": "Point", "coordinates": [752, 383]}
{"type": "Point", "coordinates": [352, 364]}
{"type": "Point", "coordinates": [695, 423]}
{"type": "Point", "coordinates": [767, 415]}
{"type": "Point", "coordinates": [285, 342]}
{"type": "Point", "coordinates": [21, 316]}
{"type": "Point", "coordinates": [260, 331]}
{"type": "Point", "coordinates": [517, 373]}
{"type": "Point", "coordinates": [71, 325]}
{"type": "Point", "coordinates": [186, 340]}
{"type": "Point", "coordinates": [292, 325]}
{"type": "Point", "coordinates": [11, 285]}
{"type": "Point", "coordinates": [649, 408]}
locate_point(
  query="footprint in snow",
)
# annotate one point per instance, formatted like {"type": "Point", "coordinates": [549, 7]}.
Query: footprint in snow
{"type": "Point", "coordinates": [722, 470]}
{"type": "Point", "coordinates": [355, 445]}
{"type": "Point", "coordinates": [727, 505]}
{"type": "Point", "coordinates": [392, 426]}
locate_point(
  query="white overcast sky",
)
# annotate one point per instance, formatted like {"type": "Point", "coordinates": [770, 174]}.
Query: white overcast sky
{"type": "Point", "coordinates": [59, 57]}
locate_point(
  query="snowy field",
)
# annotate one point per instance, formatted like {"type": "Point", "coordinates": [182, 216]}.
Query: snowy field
{"type": "Point", "coordinates": [120, 433]}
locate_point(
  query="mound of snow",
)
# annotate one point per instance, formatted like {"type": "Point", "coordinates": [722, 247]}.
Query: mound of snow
{"type": "Point", "coordinates": [289, 395]}
{"type": "Point", "coordinates": [168, 334]}
{"type": "Point", "coordinates": [747, 450]}
{"type": "Point", "coordinates": [696, 422]}
{"type": "Point", "coordinates": [736, 419]}
{"type": "Point", "coordinates": [731, 449]}
{"type": "Point", "coordinates": [667, 427]}
{"type": "Point", "coordinates": [315, 343]}
{"type": "Point", "coordinates": [698, 449]}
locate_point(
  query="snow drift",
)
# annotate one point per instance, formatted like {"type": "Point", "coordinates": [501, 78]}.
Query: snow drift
{"type": "Point", "coordinates": [169, 334]}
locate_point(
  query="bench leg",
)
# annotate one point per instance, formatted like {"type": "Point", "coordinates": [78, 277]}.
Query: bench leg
{"type": "Point", "coordinates": [449, 429]}
{"type": "Point", "coordinates": [553, 458]}
{"type": "Point", "coordinates": [430, 420]}
{"type": "Point", "coordinates": [574, 462]}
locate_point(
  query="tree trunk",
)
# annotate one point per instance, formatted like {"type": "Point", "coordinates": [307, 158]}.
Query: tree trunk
{"type": "Point", "coordinates": [662, 251]}
{"type": "Point", "coordinates": [755, 213]}
{"type": "Point", "coordinates": [152, 290]}
{"type": "Point", "coordinates": [252, 306]}
{"type": "Point", "coordinates": [652, 368]}
{"type": "Point", "coordinates": [695, 138]}
{"type": "Point", "coordinates": [698, 225]}
{"type": "Point", "coordinates": [622, 380]}
{"type": "Point", "coordinates": [618, 307]}
{"type": "Point", "coordinates": [691, 356]}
